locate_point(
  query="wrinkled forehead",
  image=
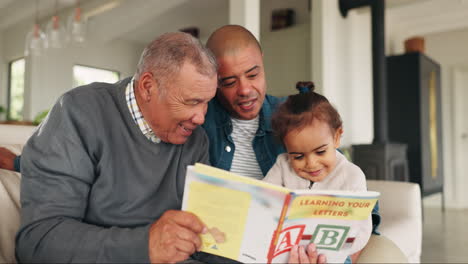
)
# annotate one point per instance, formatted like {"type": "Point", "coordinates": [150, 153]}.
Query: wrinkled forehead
{"type": "Point", "coordinates": [189, 76]}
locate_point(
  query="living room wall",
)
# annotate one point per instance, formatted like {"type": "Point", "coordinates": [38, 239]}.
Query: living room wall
{"type": "Point", "coordinates": [342, 66]}
{"type": "Point", "coordinates": [286, 52]}
{"type": "Point", "coordinates": [50, 75]}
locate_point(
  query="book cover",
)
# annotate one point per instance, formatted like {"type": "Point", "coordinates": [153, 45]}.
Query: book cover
{"type": "Point", "coordinates": [252, 221]}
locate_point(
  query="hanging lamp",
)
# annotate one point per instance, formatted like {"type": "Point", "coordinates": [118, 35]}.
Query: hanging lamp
{"type": "Point", "coordinates": [55, 31]}
{"type": "Point", "coordinates": [36, 42]}
{"type": "Point", "coordinates": [77, 25]}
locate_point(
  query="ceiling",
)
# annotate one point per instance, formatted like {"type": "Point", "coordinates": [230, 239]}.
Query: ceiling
{"type": "Point", "coordinates": [16, 11]}
{"type": "Point", "coordinates": [133, 20]}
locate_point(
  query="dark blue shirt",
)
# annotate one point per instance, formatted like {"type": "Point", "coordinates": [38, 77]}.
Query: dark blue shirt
{"type": "Point", "coordinates": [218, 126]}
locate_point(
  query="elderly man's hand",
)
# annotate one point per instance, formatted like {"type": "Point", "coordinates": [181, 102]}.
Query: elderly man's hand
{"type": "Point", "coordinates": [174, 237]}
{"type": "Point", "coordinates": [299, 255]}
{"type": "Point", "coordinates": [7, 159]}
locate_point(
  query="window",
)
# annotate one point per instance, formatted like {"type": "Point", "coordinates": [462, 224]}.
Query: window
{"type": "Point", "coordinates": [85, 75]}
{"type": "Point", "coordinates": [15, 101]}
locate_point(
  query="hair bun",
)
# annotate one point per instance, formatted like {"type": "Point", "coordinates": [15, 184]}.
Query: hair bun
{"type": "Point", "coordinates": [305, 87]}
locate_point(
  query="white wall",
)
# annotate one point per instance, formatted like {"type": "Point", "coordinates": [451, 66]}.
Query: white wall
{"type": "Point", "coordinates": [51, 75]}
{"type": "Point", "coordinates": [286, 58]}
{"type": "Point", "coordinates": [360, 92]}
{"type": "Point", "coordinates": [286, 51]}
{"type": "Point", "coordinates": [338, 60]}
{"type": "Point", "coordinates": [301, 8]}
{"type": "Point", "coordinates": [341, 66]}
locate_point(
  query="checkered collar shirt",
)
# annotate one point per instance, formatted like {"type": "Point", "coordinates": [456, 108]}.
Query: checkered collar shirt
{"type": "Point", "coordinates": [137, 115]}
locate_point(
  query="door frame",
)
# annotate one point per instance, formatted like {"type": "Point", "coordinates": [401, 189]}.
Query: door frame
{"type": "Point", "coordinates": [460, 127]}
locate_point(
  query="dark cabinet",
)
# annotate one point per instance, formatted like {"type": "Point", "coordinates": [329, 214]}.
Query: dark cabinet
{"type": "Point", "coordinates": [414, 112]}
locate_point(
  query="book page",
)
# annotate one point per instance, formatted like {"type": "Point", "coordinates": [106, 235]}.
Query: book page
{"type": "Point", "coordinates": [242, 215]}
{"type": "Point", "coordinates": [339, 224]}
{"type": "Point", "coordinates": [213, 213]}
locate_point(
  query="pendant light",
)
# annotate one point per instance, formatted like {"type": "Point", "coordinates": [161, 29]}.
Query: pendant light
{"type": "Point", "coordinates": [77, 25]}
{"type": "Point", "coordinates": [55, 31]}
{"type": "Point", "coordinates": [36, 41]}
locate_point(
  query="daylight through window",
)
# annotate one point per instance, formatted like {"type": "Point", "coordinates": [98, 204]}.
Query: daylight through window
{"type": "Point", "coordinates": [16, 90]}
{"type": "Point", "coordinates": [85, 75]}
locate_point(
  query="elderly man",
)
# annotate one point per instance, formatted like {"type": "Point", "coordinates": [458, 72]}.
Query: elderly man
{"type": "Point", "coordinates": [102, 177]}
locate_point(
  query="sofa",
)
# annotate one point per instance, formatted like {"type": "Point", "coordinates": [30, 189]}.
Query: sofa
{"type": "Point", "coordinates": [400, 207]}
{"type": "Point", "coordinates": [401, 211]}
{"type": "Point", "coordinates": [12, 137]}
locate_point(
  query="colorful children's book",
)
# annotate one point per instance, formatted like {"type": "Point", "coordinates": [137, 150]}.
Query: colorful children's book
{"type": "Point", "coordinates": [252, 221]}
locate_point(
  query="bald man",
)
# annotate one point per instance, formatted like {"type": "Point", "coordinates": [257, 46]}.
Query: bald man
{"type": "Point", "coordinates": [238, 120]}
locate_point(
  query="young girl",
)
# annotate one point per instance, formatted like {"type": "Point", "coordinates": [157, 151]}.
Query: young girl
{"type": "Point", "coordinates": [310, 129]}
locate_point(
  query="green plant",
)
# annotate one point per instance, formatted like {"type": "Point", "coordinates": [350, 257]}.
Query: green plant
{"type": "Point", "coordinates": [39, 117]}
{"type": "Point", "coordinates": [2, 112]}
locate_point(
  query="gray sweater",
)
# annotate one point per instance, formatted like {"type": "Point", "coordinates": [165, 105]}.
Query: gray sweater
{"type": "Point", "coordinates": [93, 183]}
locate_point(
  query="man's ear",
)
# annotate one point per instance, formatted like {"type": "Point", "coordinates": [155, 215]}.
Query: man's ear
{"type": "Point", "coordinates": [337, 137]}
{"type": "Point", "coordinates": [147, 86]}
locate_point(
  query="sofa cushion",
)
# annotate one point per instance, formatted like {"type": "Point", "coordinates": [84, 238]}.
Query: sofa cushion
{"type": "Point", "coordinates": [380, 249]}
{"type": "Point", "coordinates": [10, 214]}
{"type": "Point", "coordinates": [15, 134]}
{"type": "Point", "coordinates": [9, 208]}
{"type": "Point", "coordinates": [401, 211]}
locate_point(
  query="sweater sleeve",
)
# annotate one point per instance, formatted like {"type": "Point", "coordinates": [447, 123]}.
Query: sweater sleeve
{"type": "Point", "coordinates": [274, 175]}
{"type": "Point", "coordinates": [204, 154]}
{"type": "Point", "coordinates": [58, 172]}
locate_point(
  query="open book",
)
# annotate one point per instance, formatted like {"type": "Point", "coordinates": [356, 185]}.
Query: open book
{"type": "Point", "coordinates": [252, 221]}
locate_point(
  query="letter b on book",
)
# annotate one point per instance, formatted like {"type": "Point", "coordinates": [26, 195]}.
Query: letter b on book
{"type": "Point", "coordinates": [330, 237]}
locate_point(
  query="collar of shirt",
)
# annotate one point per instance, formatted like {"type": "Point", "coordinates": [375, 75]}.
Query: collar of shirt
{"type": "Point", "coordinates": [137, 115]}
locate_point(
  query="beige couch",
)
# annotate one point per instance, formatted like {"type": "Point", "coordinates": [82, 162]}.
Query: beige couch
{"type": "Point", "coordinates": [12, 137]}
{"type": "Point", "coordinates": [400, 207]}
{"type": "Point", "coordinates": [401, 211]}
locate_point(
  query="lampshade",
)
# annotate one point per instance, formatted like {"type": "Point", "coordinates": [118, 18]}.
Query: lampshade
{"type": "Point", "coordinates": [56, 34]}
{"type": "Point", "coordinates": [77, 26]}
{"type": "Point", "coordinates": [36, 41]}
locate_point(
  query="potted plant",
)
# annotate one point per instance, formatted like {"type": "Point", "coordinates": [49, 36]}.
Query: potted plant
{"type": "Point", "coordinates": [2, 112]}
{"type": "Point", "coordinates": [39, 117]}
